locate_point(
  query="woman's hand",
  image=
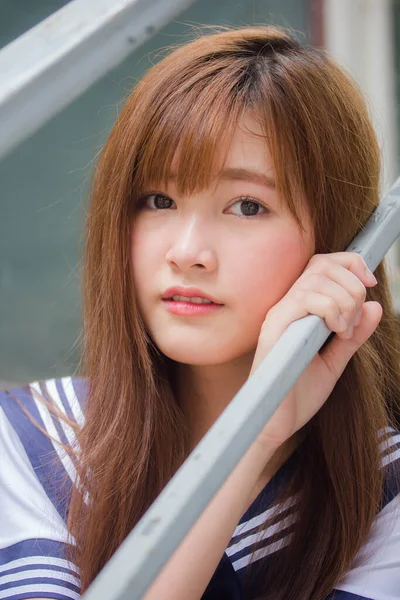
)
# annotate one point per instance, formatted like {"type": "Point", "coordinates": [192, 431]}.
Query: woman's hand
{"type": "Point", "coordinates": [332, 286]}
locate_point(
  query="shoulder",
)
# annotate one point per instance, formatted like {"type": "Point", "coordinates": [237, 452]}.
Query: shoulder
{"type": "Point", "coordinates": [67, 393]}
{"type": "Point", "coordinates": [36, 440]}
{"type": "Point", "coordinates": [36, 475]}
{"type": "Point", "coordinates": [375, 572]}
{"type": "Point", "coordinates": [390, 461]}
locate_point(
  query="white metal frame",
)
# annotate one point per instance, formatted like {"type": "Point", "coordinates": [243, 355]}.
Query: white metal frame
{"type": "Point", "coordinates": [360, 36]}
{"type": "Point", "coordinates": [50, 65]}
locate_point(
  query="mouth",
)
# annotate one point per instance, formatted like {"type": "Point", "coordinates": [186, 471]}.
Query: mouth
{"type": "Point", "coordinates": [191, 295]}
{"type": "Point", "coordinates": [187, 307]}
{"type": "Point", "coordinates": [193, 300]}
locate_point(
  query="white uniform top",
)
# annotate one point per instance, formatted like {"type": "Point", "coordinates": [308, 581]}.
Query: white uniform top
{"type": "Point", "coordinates": [36, 476]}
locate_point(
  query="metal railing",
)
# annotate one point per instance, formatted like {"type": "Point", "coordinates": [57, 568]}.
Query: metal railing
{"type": "Point", "coordinates": [141, 556]}
{"type": "Point", "coordinates": [50, 65]}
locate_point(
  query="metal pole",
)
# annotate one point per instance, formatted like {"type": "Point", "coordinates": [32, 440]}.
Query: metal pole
{"type": "Point", "coordinates": [349, 28]}
{"type": "Point", "coordinates": [141, 556]}
{"type": "Point", "coordinates": [50, 65]}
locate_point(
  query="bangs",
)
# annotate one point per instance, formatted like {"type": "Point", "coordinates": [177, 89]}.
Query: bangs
{"type": "Point", "coordinates": [186, 113]}
{"type": "Point", "coordinates": [188, 133]}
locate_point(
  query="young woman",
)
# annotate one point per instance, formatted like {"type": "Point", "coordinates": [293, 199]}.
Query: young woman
{"type": "Point", "coordinates": [239, 170]}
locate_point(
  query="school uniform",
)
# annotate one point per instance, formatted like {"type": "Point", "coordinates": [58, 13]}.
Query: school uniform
{"type": "Point", "coordinates": [36, 477]}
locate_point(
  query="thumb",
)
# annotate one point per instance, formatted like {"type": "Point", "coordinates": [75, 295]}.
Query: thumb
{"type": "Point", "coordinates": [338, 351]}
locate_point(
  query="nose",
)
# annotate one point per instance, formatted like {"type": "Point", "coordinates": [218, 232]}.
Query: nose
{"type": "Point", "coordinates": [192, 247]}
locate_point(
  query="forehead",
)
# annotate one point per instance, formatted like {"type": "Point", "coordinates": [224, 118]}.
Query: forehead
{"type": "Point", "coordinates": [249, 142]}
{"type": "Point", "coordinates": [248, 148]}
{"type": "Point", "coordinates": [245, 156]}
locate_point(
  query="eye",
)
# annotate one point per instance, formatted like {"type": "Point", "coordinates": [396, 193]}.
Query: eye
{"type": "Point", "coordinates": [154, 202]}
{"type": "Point", "coordinates": [249, 207]}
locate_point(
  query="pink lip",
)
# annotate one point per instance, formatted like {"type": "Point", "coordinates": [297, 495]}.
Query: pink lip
{"type": "Point", "coordinates": [190, 309]}
{"type": "Point", "coordinates": [189, 292]}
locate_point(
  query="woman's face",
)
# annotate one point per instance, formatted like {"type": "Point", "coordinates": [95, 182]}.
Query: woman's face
{"type": "Point", "coordinates": [235, 241]}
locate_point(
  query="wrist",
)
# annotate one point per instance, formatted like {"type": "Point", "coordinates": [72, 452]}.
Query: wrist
{"type": "Point", "coordinates": [260, 454]}
{"type": "Point", "coordinates": [268, 456]}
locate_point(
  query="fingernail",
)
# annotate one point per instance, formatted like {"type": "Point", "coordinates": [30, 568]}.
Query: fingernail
{"type": "Point", "coordinates": [370, 276]}
{"type": "Point", "coordinates": [342, 323]}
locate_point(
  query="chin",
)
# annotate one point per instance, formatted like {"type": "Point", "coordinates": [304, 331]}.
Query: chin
{"type": "Point", "coordinates": [197, 356]}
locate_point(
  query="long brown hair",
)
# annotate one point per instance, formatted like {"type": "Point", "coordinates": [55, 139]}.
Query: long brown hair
{"type": "Point", "coordinates": [135, 437]}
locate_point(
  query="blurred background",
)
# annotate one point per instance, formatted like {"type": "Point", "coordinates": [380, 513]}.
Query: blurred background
{"type": "Point", "coordinates": [44, 179]}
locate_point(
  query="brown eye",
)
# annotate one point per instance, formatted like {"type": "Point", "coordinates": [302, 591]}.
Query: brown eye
{"type": "Point", "coordinates": [161, 201]}
{"type": "Point", "coordinates": [249, 208]}
{"type": "Point", "coordinates": [155, 202]}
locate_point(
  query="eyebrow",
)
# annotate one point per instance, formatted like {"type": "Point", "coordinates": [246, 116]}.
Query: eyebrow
{"type": "Point", "coordinates": [248, 175]}
{"type": "Point", "coordinates": [239, 173]}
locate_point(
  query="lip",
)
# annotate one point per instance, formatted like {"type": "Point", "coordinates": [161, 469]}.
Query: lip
{"type": "Point", "coordinates": [189, 292]}
{"type": "Point", "coordinates": [190, 309]}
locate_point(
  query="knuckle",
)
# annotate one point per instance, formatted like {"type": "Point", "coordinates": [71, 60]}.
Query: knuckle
{"type": "Point", "coordinates": [321, 262]}
{"type": "Point", "coordinates": [361, 293]}
{"type": "Point", "coordinates": [350, 306]}
{"type": "Point", "coordinates": [314, 259]}
{"type": "Point", "coordinates": [315, 279]}
{"type": "Point", "coordinates": [331, 305]}
{"type": "Point", "coordinates": [299, 295]}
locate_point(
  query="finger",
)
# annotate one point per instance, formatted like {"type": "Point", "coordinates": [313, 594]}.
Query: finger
{"type": "Point", "coordinates": [347, 305]}
{"type": "Point", "coordinates": [338, 352]}
{"type": "Point", "coordinates": [325, 307]}
{"type": "Point", "coordinates": [295, 306]}
{"type": "Point", "coordinates": [350, 260]}
{"type": "Point", "coordinates": [358, 317]}
{"type": "Point", "coordinates": [278, 318]}
{"type": "Point", "coordinates": [347, 280]}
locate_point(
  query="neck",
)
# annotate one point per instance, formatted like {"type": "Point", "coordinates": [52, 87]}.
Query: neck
{"type": "Point", "coordinates": [204, 391]}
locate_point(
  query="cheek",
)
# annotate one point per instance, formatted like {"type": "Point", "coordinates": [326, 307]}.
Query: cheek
{"type": "Point", "coordinates": [145, 258]}
{"type": "Point", "coordinates": [146, 248]}
{"type": "Point", "coordinates": [264, 272]}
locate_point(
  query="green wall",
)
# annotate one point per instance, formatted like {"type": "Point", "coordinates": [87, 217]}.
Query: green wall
{"type": "Point", "coordinates": [44, 184]}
